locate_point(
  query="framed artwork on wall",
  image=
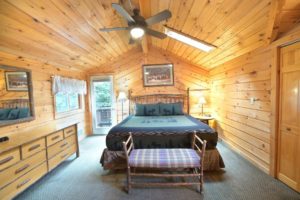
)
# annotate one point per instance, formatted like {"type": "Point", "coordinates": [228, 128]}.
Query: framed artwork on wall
{"type": "Point", "coordinates": [16, 81]}
{"type": "Point", "coordinates": [158, 75]}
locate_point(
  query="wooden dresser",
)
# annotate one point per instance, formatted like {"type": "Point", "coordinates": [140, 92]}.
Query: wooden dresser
{"type": "Point", "coordinates": [25, 163]}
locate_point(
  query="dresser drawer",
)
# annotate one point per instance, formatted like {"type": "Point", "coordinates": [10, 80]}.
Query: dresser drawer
{"type": "Point", "coordinates": [22, 183]}
{"type": "Point", "coordinates": [54, 137]}
{"type": "Point", "coordinates": [60, 146]}
{"type": "Point", "coordinates": [71, 140]}
{"type": "Point", "coordinates": [10, 174]}
{"type": "Point", "coordinates": [60, 157]}
{"type": "Point", "coordinates": [33, 147]}
{"type": "Point", "coordinates": [69, 131]}
{"type": "Point", "coordinates": [9, 158]}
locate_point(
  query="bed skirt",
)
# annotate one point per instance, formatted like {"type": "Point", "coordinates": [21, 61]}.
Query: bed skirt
{"type": "Point", "coordinates": [112, 160]}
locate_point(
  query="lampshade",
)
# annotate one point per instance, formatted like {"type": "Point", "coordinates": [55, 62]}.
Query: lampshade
{"type": "Point", "coordinates": [202, 100]}
{"type": "Point", "coordinates": [122, 96]}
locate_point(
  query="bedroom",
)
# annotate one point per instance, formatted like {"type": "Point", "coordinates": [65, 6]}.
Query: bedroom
{"type": "Point", "coordinates": [66, 83]}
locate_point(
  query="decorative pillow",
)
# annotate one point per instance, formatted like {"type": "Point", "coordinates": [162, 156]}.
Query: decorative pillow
{"type": "Point", "coordinates": [139, 109]}
{"type": "Point", "coordinates": [177, 108]}
{"type": "Point", "coordinates": [24, 112]}
{"type": "Point", "coordinates": [13, 114]}
{"type": "Point", "coordinates": [4, 113]}
{"type": "Point", "coordinates": [166, 109]}
{"type": "Point", "coordinates": [151, 109]}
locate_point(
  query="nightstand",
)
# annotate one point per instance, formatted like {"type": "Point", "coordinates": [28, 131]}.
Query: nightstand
{"type": "Point", "coordinates": [204, 119]}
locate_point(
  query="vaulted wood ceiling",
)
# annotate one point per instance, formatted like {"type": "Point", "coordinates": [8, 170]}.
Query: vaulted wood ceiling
{"type": "Point", "coordinates": [66, 33]}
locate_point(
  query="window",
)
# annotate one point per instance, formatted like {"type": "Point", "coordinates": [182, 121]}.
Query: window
{"type": "Point", "coordinates": [73, 101]}
{"type": "Point", "coordinates": [66, 103]}
{"type": "Point", "coordinates": [102, 92]}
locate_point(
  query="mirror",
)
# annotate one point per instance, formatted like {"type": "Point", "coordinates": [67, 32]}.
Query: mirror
{"type": "Point", "coordinates": [16, 98]}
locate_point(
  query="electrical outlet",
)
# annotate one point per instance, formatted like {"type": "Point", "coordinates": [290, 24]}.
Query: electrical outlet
{"type": "Point", "coordinates": [252, 100]}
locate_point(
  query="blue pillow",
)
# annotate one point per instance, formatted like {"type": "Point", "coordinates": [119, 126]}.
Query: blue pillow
{"type": "Point", "coordinates": [139, 109]}
{"type": "Point", "coordinates": [152, 109]}
{"type": "Point", "coordinates": [166, 109]}
{"type": "Point", "coordinates": [24, 112]}
{"type": "Point", "coordinates": [177, 108]}
{"type": "Point", "coordinates": [13, 114]}
{"type": "Point", "coordinates": [4, 113]}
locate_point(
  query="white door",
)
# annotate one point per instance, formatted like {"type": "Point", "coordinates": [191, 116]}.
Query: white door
{"type": "Point", "coordinates": [103, 111]}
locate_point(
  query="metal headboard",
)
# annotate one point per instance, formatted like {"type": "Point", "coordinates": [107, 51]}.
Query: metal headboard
{"type": "Point", "coordinates": [14, 103]}
{"type": "Point", "coordinates": [157, 98]}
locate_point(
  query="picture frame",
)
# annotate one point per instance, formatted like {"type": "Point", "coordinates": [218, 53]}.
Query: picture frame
{"type": "Point", "coordinates": [158, 75]}
{"type": "Point", "coordinates": [16, 81]}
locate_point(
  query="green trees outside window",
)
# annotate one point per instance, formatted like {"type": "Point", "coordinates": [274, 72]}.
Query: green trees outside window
{"type": "Point", "coordinates": [66, 102]}
{"type": "Point", "coordinates": [102, 91]}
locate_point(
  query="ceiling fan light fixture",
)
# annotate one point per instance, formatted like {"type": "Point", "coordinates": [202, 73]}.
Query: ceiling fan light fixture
{"type": "Point", "coordinates": [137, 32]}
{"type": "Point", "coordinates": [189, 40]}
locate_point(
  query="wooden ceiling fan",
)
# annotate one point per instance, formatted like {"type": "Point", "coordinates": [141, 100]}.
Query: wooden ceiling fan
{"type": "Point", "coordinates": [138, 25]}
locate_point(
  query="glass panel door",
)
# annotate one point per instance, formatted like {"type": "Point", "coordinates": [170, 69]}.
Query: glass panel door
{"type": "Point", "coordinates": [103, 111]}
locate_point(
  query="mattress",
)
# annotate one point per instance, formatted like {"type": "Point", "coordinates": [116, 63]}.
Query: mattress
{"type": "Point", "coordinates": [173, 131]}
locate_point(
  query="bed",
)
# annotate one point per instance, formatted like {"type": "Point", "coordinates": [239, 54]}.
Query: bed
{"type": "Point", "coordinates": [159, 131]}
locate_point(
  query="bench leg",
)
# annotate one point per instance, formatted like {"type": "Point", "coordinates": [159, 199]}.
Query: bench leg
{"type": "Point", "coordinates": [201, 180]}
{"type": "Point", "coordinates": [128, 180]}
{"type": "Point", "coordinates": [195, 171]}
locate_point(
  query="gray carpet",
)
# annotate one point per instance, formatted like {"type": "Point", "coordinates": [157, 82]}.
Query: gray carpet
{"type": "Point", "coordinates": [84, 178]}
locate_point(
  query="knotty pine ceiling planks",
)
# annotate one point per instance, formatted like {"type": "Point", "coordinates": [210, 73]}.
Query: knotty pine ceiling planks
{"type": "Point", "coordinates": [65, 33]}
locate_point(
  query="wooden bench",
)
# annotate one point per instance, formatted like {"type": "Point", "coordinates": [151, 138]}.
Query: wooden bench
{"type": "Point", "coordinates": [184, 162]}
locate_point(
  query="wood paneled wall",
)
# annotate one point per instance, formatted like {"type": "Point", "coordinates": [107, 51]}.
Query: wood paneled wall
{"type": "Point", "coordinates": [245, 126]}
{"type": "Point", "coordinates": [43, 98]}
{"type": "Point", "coordinates": [127, 71]}
{"type": "Point", "coordinates": [8, 95]}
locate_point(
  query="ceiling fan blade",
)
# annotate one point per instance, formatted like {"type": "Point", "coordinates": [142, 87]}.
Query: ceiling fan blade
{"type": "Point", "coordinates": [159, 17]}
{"type": "Point", "coordinates": [122, 12]}
{"type": "Point", "coordinates": [156, 33]}
{"type": "Point", "coordinates": [113, 29]}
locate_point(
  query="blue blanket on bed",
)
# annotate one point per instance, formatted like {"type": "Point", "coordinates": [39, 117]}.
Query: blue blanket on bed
{"type": "Point", "coordinates": [158, 121]}
{"type": "Point", "coordinates": [162, 122]}
{"type": "Point", "coordinates": [160, 132]}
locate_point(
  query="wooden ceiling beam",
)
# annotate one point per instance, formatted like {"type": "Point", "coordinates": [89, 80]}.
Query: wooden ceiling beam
{"type": "Point", "coordinates": [273, 20]}
{"type": "Point", "coordinates": [145, 12]}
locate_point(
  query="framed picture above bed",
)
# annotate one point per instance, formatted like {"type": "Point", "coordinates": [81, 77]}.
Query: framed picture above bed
{"type": "Point", "coordinates": [158, 75]}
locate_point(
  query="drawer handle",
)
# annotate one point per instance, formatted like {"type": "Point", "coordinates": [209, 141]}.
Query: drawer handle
{"type": "Point", "coordinates": [70, 131]}
{"type": "Point", "coordinates": [61, 146]}
{"type": "Point", "coordinates": [65, 155]}
{"type": "Point", "coordinates": [4, 139]}
{"type": "Point", "coordinates": [288, 129]}
{"type": "Point", "coordinates": [6, 160]}
{"type": "Point", "coordinates": [34, 147]}
{"type": "Point", "coordinates": [22, 169]}
{"type": "Point", "coordinates": [23, 183]}
{"type": "Point", "coordinates": [55, 138]}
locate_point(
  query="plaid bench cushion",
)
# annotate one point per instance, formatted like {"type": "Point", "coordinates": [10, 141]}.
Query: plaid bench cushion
{"type": "Point", "coordinates": [164, 158]}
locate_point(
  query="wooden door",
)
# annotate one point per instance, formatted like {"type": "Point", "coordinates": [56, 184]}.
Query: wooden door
{"type": "Point", "coordinates": [289, 117]}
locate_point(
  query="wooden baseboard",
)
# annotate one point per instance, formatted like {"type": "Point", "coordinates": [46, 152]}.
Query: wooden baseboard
{"type": "Point", "coordinates": [242, 152]}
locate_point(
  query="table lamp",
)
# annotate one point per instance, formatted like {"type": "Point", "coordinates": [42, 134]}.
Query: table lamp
{"type": "Point", "coordinates": [202, 101]}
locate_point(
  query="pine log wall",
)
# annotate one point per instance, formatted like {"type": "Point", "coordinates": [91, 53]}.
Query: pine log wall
{"type": "Point", "coordinates": [127, 72]}
{"type": "Point", "coordinates": [43, 98]}
{"type": "Point", "coordinates": [242, 125]}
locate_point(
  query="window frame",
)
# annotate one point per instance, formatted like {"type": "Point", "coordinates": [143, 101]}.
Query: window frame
{"type": "Point", "coordinates": [59, 115]}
